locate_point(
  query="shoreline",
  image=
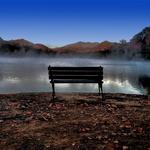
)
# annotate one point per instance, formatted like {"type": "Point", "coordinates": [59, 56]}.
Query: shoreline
{"type": "Point", "coordinates": [70, 93]}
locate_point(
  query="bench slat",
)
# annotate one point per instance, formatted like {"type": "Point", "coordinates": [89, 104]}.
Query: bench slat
{"type": "Point", "coordinates": [77, 72]}
{"type": "Point", "coordinates": [95, 77]}
{"type": "Point", "coordinates": [75, 68]}
{"type": "Point", "coordinates": [76, 81]}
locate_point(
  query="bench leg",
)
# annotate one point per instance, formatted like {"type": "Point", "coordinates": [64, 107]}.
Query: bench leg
{"type": "Point", "coordinates": [53, 88]}
{"type": "Point", "coordinates": [102, 92]}
{"type": "Point", "coordinates": [100, 88]}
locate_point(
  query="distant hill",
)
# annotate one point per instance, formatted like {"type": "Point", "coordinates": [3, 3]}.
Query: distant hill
{"type": "Point", "coordinates": [85, 47]}
{"type": "Point", "coordinates": [138, 46]}
{"type": "Point", "coordinates": [22, 47]}
{"type": "Point", "coordinates": [142, 40]}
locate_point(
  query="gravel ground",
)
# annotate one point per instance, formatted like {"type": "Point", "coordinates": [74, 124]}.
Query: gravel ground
{"type": "Point", "coordinates": [32, 121]}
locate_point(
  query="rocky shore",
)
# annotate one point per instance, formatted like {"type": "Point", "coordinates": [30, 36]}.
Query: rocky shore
{"type": "Point", "coordinates": [32, 121]}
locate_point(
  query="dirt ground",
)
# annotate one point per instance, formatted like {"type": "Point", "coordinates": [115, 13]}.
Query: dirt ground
{"type": "Point", "coordinates": [74, 122]}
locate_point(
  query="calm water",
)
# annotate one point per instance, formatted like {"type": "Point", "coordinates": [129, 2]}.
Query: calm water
{"type": "Point", "coordinates": [30, 75]}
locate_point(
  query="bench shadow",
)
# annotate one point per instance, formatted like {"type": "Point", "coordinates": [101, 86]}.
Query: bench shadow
{"type": "Point", "coordinates": [86, 99]}
{"type": "Point", "coordinates": [57, 99]}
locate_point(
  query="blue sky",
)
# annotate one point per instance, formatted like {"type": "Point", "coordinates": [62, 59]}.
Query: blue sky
{"type": "Point", "coordinates": [60, 22]}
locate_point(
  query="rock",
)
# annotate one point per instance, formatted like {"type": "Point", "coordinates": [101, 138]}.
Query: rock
{"type": "Point", "coordinates": [29, 113]}
{"type": "Point", "coordinates": [128, 126]}
{"type": "Point", "coordinates": [113, 133]}
{"type": "Point", "coordinates": [109, 146]}
{"type": "Point", "coordinates": [116, 142]}
{"type": "Point", "coordinates": [125, 148]}
{"type": "Point", "coordinates": [73, 144]}
{"type": "Point", "coordinates": [123, 119]}
{"type": "Point", "coordinates": [1, 121]}
{"type": "Point", "coordinates": [114, 106]}
{"type": "Point", "coordinates": [125, 134]}
{"type": "Point", "coordinates": [23, 107]}
{"type": "Point", "coordinates": [140, 130]}
{"type": "Point", "coordinates": [28, 119]}
{"type": "Point", "coordinates": [99, 137]}
{"type": "Point", "coordinates": [105, 137]}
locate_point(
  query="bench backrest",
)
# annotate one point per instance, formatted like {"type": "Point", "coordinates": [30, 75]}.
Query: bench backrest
{"type": "Point", "coordinates": [93, 73]}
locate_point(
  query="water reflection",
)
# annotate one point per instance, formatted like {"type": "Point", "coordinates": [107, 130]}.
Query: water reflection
{"type": "Point", "coordinates": [30, 75]}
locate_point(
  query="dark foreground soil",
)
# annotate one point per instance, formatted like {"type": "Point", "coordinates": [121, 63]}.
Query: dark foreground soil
{"type": "Point", "coordinates": [74, 121]}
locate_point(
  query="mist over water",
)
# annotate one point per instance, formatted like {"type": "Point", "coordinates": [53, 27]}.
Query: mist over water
{"type": "Point", "coordinates": [31, 75]}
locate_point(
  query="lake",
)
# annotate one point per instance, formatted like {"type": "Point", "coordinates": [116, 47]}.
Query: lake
{"type": "Point", "coordinates": [31, 75]}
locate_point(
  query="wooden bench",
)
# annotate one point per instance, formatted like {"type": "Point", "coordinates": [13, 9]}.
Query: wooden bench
{"type": "Point", "coordinates": [76, 75]}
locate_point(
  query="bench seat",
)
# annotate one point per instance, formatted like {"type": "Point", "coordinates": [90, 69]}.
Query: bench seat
{"type": "Point", "coordinates": [74, 81]}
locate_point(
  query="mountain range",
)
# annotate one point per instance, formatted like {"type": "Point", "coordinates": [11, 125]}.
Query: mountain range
{"type": "Point", "coordinates": [138, 46]}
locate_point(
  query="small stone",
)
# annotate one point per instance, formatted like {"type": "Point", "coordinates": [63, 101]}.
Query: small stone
{"type": "Point", "coordinates": [99, 137]}
{"type": "Point", "coordinates": [29, 113]}
{"type": "Point", "coordinates": [109, 109]}
{"type": "Point", "coordinates": [23, 107]}
{"type": "Point", "coordinates": [125, 134]}
{"type": "Point", "coordinates": [108, 105]}
{"type": "Point", "coordinates": [28, 119]}
{"type": "Point", "coordinates": [73, 144]}
{"type": "Point", "coordinates": [113, 106]}
{"type": "Point", "coordinates": [123, 119]}
{"type": "Point", "coordinates": [116, 142]}
{"type": "Point", "coordinates": [105, 142]}
{"type": "Point", "coordinates": [12, 125]}
{"type": "Point", "coordinates": [128, 126]}
{"type": "Point", "coordinates": [1, 121]}
{"type": "Point", "coordinates": [106, 137]}
{"type": "Point", "coordinates": [114, 134]}
{"type": "Point", "coordinates": [121, 126]}
{"type": "Point", "coordinates": [140, 130]}
{"type": "Point", "coordinates": [125, 147]}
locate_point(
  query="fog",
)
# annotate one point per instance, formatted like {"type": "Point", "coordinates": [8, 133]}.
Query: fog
{"type": "Point", "coordinates": [31, 75]}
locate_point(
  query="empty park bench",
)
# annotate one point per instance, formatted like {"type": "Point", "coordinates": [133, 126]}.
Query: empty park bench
{"type": "Point", "coordinates": [76, 75]}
